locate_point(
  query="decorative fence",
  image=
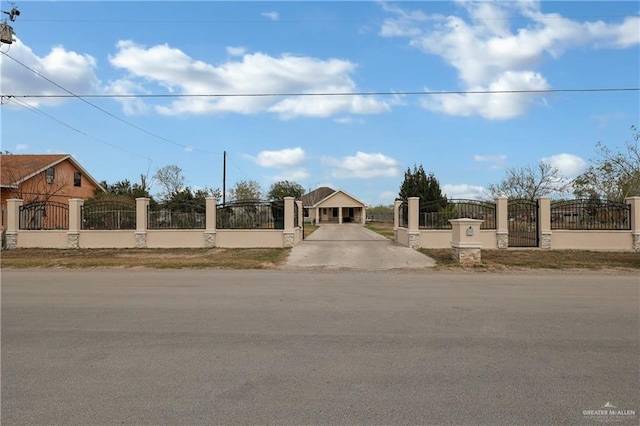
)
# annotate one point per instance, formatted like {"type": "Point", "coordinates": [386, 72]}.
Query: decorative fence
{"type": "Point", "coordinates": [403, 213]}
{"type": "Point", "coordinates": [108, 215]}
{"type": "Point", "coordinates": [436, 214]}
{"type": "Point", "coordinates": [251, 215]}
{"type": "Point", "coordinates": [44, 215]}
{"type": "Point", "coordinates": [590, 215]}
{"type": "Point", "coordinates": [188, 215]}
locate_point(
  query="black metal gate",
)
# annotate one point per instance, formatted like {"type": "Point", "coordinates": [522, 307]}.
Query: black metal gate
{"type": "Point", "coordinates": [523, 223]}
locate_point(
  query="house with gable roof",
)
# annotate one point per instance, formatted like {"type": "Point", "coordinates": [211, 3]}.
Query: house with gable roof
{"type": "Point", "coordinates": [326, 205]}
{"type": "Point", "coordinates": [54, 178]}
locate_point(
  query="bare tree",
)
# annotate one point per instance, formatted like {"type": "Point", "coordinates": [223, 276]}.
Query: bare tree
{"type": "Point", "coordinates": [170, 179]}
{"type": "Point", "coordinates": [246, 190]}
{"type": "Point", "coordinates": [615, 175]}
{"type": "Point", "coordinates": [531, 182]}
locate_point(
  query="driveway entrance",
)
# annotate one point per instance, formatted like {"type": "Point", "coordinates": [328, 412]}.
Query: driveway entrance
{"type": "Point", "coordinates": [352, 246]}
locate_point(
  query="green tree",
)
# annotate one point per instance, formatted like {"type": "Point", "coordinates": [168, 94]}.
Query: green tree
{"type": "Point", "coordinates": [530, 182]}
{"type": "Point", "coordinates": [245, 190]}
{"type": "Point", "coordinates": [284, 188]}
{"type": "Point", "coordinates": [615, 175]}
{"type": "Point", "coordinates": [418, 184]}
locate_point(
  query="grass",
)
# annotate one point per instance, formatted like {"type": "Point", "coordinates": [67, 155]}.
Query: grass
{"type": "Point", "coordinates": [309, 228]}
{"type": "Point", "coordinates": [260, 258]}
{"type": "Point", "coordinates": [383, 228]}
{"type": "Point", "coordinates": [514, 259]}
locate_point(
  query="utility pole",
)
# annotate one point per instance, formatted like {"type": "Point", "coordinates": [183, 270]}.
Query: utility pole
{"type": "Point", "coordinates": [224, 177]}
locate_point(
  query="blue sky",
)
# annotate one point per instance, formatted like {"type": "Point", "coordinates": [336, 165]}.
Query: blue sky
{"type": "Point", "coordinates": [377, 55]}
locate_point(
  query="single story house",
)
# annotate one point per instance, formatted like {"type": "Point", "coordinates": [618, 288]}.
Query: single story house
{"type": "Point", "coordinates": [326, 205]}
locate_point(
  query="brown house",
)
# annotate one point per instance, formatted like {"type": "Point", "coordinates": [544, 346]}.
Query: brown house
{"type": "Point", "coordinates": [54, 178]}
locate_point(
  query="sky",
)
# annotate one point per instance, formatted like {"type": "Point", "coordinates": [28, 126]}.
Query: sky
{"type": "Point", "coordinates": [345, 94]}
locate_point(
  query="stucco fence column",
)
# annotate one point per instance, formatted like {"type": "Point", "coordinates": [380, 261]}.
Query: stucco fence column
{"type": "Point", "coordinates": [211, 210]}
{"type": "Point", "coordinates": [142, 207]}
{"type": "Point", "coordinates": [13, 222]}
{"type": "Point", "coordinates": [414, 227]}
{"type": "Point", "coordinates": [396, 218]}
{"type": "Point", "coordinates": [544, 222]}
{"type": "Point", "coordinates": [502, 222]}
{"type": "Point", "coordinates": [465, 247]}
{"type": "Point", "coordinates": [75, 223]}
{"type": "Point", "coordinates": [289, 231]}
{"type": "Point", "coordinates": [635, 222]}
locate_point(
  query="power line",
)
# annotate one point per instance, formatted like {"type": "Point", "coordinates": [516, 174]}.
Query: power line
{"type": "Point", "coordinates": [374, 93]}
{"type": "Point", "coordinates": [80, 97]}
{"type": "Point", "coordinates": [49, 116]}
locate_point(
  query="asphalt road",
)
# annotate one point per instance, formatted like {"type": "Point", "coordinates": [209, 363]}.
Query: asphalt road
{"type": "Point", "coordinates": [352, 246]}
{"type": "Point", "coordinates": [239, 347]}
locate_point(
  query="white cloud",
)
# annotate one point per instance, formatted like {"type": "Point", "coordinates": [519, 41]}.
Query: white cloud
{"type": "Point", "coordinates": [22, 147]}
{"type": "Point", "coordinates": [569, 165]}
{"type": "Point", "coordinates": [236, 51]}
{"type": "Point", "coordinates": [255, 73]}
{"type": "Point", "coordinates": [495, 161]}
{"type": "Point", "coordinates": [387, 197]}
{"type": "Point", "coordinates": [489, 54]}
{"type": "Point", "coordinates": [284, 158]}
{"type": "Point", "coordinates": [274, 16]}
{"type": "Point", "coordinates": [71, 70]}
{"type": "Point", "coordinates": [362, 165]}
{"type": "Point", "coordinates": [465, 191]}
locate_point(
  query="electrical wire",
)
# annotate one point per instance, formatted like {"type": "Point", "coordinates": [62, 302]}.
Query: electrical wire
{"type": "Point", "coordinates": [57, 120]}
{"type": "Point", "coordinates": [73, 95]}
{"type": "Point", "coordinates": [375, 93]}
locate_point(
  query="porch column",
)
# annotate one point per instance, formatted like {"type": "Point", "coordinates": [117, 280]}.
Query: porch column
{"type": "Point", "coordinates": [339, 214]}
{"type": "Point", "coordinates": [635, 222]}
{"type": "Point", "coordinates": [502, 222]}
{"type": "Point", "coordinates": [317, 209]}
{"type": "Point", "coordinates": [210, 221]}
{"type": "Point", "coordinates": [13, 222]}
{"type": "Point", "coordinates": [142, 207]}
{"type": "Point", "coordinates": [75, 222]}
{"type": "Point", "coordinates": [364, 215]}
{"type": "Point", "coordinates": [544, 222]}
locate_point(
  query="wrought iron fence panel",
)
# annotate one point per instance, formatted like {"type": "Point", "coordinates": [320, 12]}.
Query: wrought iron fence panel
{"type": "Point", "coordinates": [184, 215]}
{"type": "Point", "coordinates": [109, 215]}
{"type": "Point", "coordinates": [523, 222]}
{"type": "Point", "coordinates": [403, 213]}
{"type": "Point", "coordinates": [251, 215]}
{"type": "Point", "coordinates": [44, 215]}
{"type": "Point", "coordinates": [168, 219]}
{"type": "Point", "coordinates": [435, 215]}
{"type": "Point", "coordinates": [581, 214]}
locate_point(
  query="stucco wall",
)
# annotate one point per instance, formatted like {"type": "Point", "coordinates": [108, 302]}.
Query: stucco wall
{"type": "Point", "coordinates": [37, 239]}
{"type": "Point", "coordinates": [591, 240]}
{"type": "Point", "coordinates": [106, 239]}
{"type": "Point", "coordinates": [403, 236]}
{"type": "Point", "coordinates": [435, 238]}
{"type": "Point", "coordinates": [239, 238]}
{"type": "Point", "coordinates": [172, 238]}
{"type": "Point", "coordinates": [340, 200]}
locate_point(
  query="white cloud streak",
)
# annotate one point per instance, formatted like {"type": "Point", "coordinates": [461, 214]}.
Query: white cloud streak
{"type": "Point", "coordinates": [362, 165]}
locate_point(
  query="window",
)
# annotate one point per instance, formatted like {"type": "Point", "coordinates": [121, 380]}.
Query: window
{"type": "Point", "coordinates": [77, 179]}
{"type": "Point", "coordinates": [306, 212]}
{"type": "Point", "coordinates": [335, 212]}
{"type": "Point", "coordinates": [50, 174]}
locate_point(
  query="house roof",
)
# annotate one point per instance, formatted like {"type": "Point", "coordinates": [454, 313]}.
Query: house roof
{"type": "Point", "coordinates": [15, 169]}
{"type": "Point", "coordinates": [312, 198]}
{"type": "Point", "coordinates": [322, 194]}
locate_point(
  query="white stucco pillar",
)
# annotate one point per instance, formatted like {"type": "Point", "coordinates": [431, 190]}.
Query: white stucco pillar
{"type": "Point", "coordinates": [75, 222]}
{"type": "Point", "coordinates": [502, 222]}
{"type": "Point", "coordinates": [317, 209]}
{"type": "Point", "coordinates": [211, 211]}
{"type": "Point", "coordinates": [635, 222]}
{"type": "Point", "coordinates": [142, 208]}
{"type": "Point", "coordinates": [544, 222]}
{"type": "Point", "coordinates": [339, 214]}
{"type": "Point", "coordinates": [364, 215]}
{"type": "Point", "coordinates": [13, 222]}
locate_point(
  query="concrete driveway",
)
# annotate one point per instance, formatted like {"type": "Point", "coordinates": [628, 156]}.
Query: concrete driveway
{"type": "Point", "coordinates": [352, 246]}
